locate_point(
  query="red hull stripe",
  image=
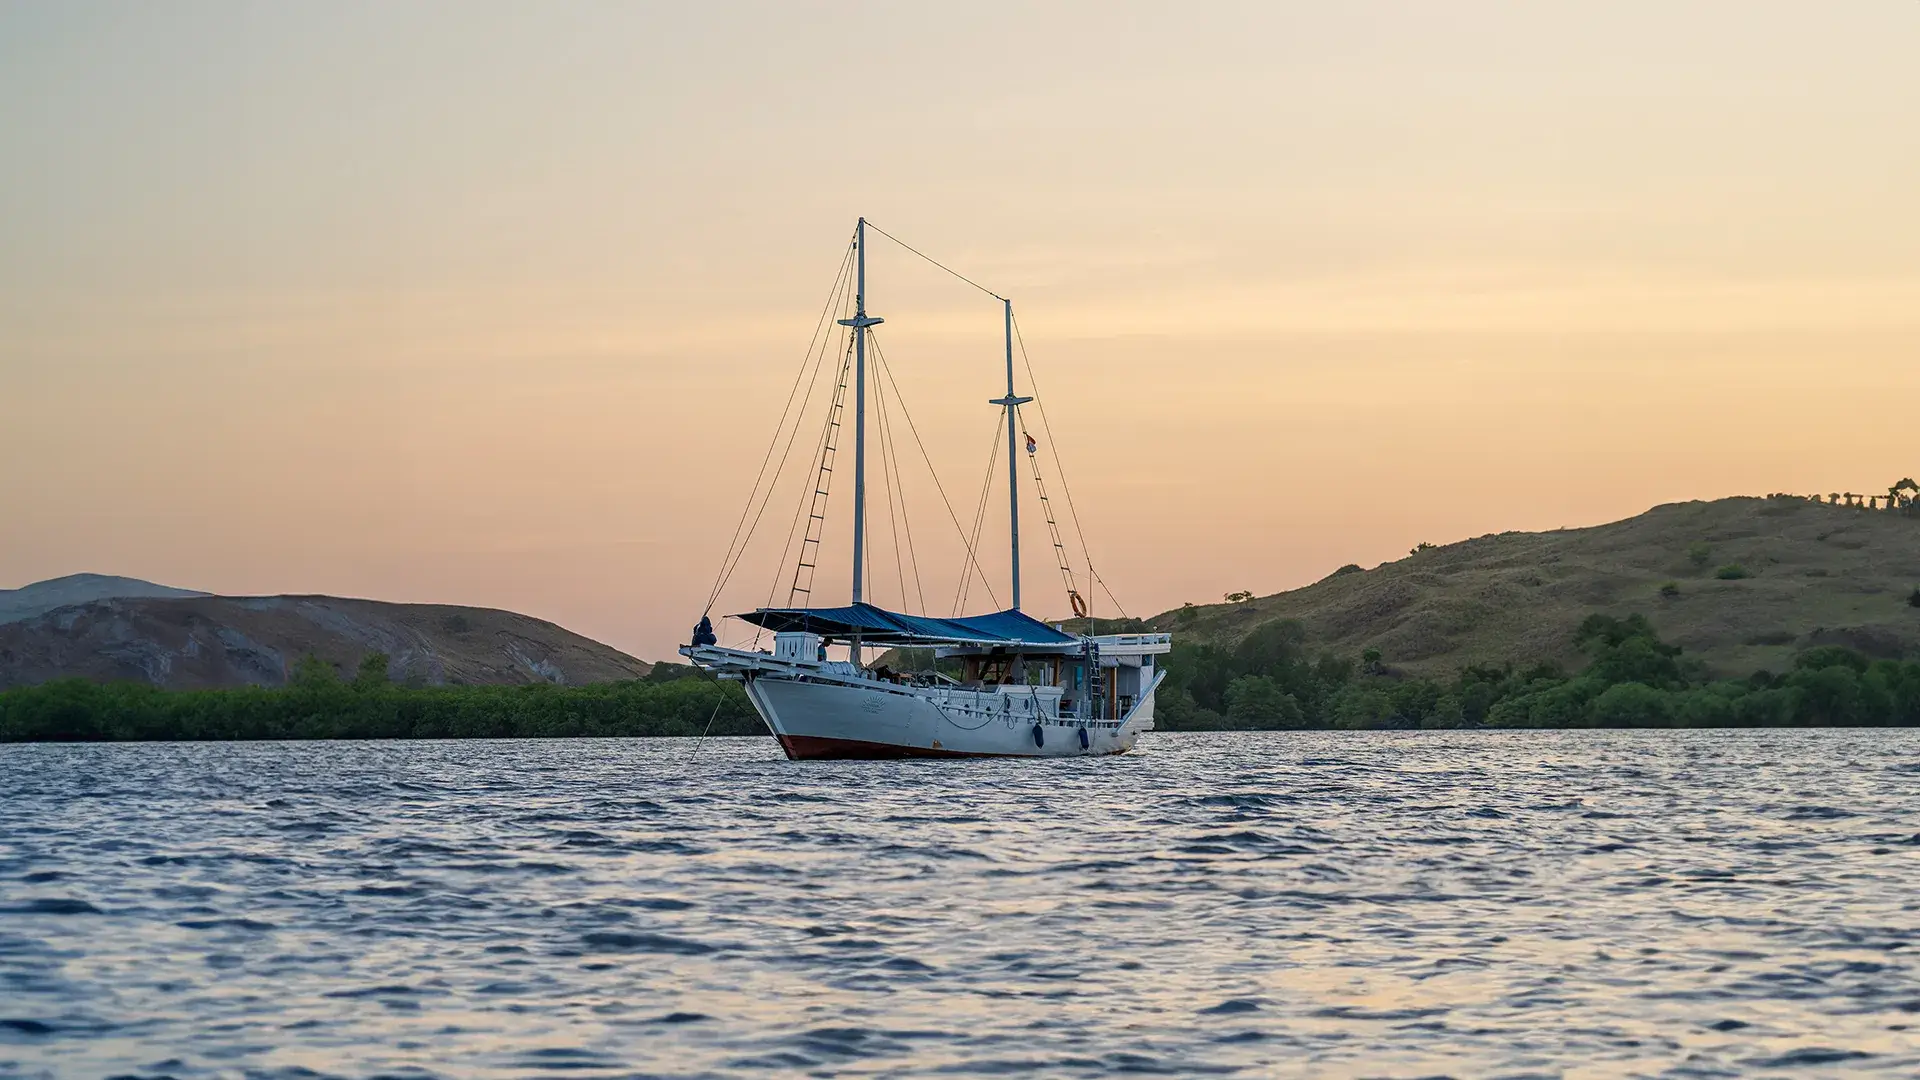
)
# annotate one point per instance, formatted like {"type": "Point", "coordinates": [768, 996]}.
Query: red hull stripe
{"type": "Point", "coordinates": [815, 748]}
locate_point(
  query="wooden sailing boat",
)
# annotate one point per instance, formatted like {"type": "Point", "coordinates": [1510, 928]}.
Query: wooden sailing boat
{"type": "Point", "coordinates": [1023, 688]}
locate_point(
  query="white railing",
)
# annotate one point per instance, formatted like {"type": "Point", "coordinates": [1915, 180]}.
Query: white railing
{"type": "Point", "coordinates": [1133, 641]}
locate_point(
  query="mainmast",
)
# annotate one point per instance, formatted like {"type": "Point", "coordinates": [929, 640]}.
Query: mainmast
{"type": "Point", "coordinates": [860, 322]}
{"type": "Point", "coordinates": [1013, 456]}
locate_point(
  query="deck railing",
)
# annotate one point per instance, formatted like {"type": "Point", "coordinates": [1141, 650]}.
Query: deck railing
{"type": "Point", "coordinates": [1134, 639]}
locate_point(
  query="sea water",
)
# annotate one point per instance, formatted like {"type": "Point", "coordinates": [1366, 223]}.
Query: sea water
{"type": "Point", "coordinates": [1704, 903]}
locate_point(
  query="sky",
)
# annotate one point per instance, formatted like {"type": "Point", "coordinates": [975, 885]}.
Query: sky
{"type": "Point", "coordinates": [499, 303]}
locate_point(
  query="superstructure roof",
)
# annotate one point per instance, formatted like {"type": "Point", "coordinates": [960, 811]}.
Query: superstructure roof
{"type": "Point", "coordinates": [877, 626]}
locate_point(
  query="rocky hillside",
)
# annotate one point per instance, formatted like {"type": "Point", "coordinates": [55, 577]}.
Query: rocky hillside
{"type": "Point", "coordinates": [1813, 574]}
{"type": "Point", "coordinates": [206, 641]}
{"type": "Point", "coordinates": [43, 596]}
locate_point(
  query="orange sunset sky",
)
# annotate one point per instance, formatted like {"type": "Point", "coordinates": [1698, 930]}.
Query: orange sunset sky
{"type": "Point", "coordinates": [497, 304]}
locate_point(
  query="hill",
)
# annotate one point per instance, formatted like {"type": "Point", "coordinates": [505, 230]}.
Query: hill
{"type": "Point", "coordinates": [43, 596]}
{"type": "Point", "coordinates": [1819, 574]}
{"type": "Point", "coordinates": [200, 641]}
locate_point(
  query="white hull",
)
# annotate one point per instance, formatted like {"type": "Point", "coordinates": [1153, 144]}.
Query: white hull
{"type": "Point", "coordinates": [823, 719]}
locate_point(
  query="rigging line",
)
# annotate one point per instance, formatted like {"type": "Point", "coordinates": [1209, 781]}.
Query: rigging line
{"type": "Point", "coordinates": [786, 545]}
{"type": "Point", "coordinates": [720, 686]}
{"type": "Point", "coordinates": [913, 554]}
{"type": "Point", "coordinates": [813, 504]}
{"type": "Point", "coordinates": [717, 705]}
{"type": "Point", "coordinates": [886, 485]}
{"type": "Point", "coordinates": [986, 494]}
{"type": "Point", "coordinates": [972, 538]}
{"type": "Point", "coordinates": [845, 287]}
{"type": "Point", "coordinates": [906, 523]}
{"type": "Point", "coordinates": [1053, 447]}
{"type": "Point", "coordinates": [702, 740]}
{"type": "Point", "coordinates": [1109, 592]}
{"type": "Point", "coordinates": [892, 444]}
{"type": "Point", "coordinates": [891, 480]}
{"type": "Point", "coordinates": [821, 497]}
{"type": "Point", "coordinates": [1046, 507]}
{"type": "Point", "coordinates": [980, 515]}
{"type": "Point", "coordinates": [866, 553]}
{"type": "Point", "coordinates": [887, 370]}
{"type": "Point", "coordinates": [805, 498]}
{"type": "Point", "coordinates": [826, 431]}
{"type": "Point", "coordinates": [934, 261]}
{"type": "Point", "coordinates": [730, 558]}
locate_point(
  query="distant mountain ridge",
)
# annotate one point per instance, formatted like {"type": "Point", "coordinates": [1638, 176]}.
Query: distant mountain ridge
{"type": "Point", "coordinates": [1742, 584]}
{"type": "Point", "coordinates": [43, 596]}
{"type": "Point", "coordinates": [112, 628]}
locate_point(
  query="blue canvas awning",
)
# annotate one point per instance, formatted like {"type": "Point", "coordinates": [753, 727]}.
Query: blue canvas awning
{"type": "Point", "coordinates": [877, 626]}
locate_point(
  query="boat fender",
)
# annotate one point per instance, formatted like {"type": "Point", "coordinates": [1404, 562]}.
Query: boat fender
{"type": "Point", "coordinates": [1085, 743]}
{"type": "Point", "coordinates": [1039, 736]}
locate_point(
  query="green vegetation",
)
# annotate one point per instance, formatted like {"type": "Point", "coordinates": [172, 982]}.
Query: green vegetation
{"type": "Point", "coordinates": [1270, 680]}
{"type": "Point", "coordinates": [1670, 590]}
{"type": "Point", "coordinates": [1100, 624]}
{"type": "Point", "coordinates": [1733, 571]}
{"type": "Point", "coordinates": [317, 704]}
{"type": "Point", "coordinates": [1699, 554]}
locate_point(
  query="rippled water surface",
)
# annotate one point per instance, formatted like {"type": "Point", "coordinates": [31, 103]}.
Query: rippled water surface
{"type": "Point", "coordinates": [1389, 904]}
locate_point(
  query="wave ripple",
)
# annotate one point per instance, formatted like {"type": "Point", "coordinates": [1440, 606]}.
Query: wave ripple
{"type": "Point", "coordinates": [1706, 903]}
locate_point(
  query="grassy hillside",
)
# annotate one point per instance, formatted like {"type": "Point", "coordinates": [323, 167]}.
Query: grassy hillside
{"type": "Point", "coordinates": [216, 641]}
{"type": "Point", "coordinates": [1818, 574]}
